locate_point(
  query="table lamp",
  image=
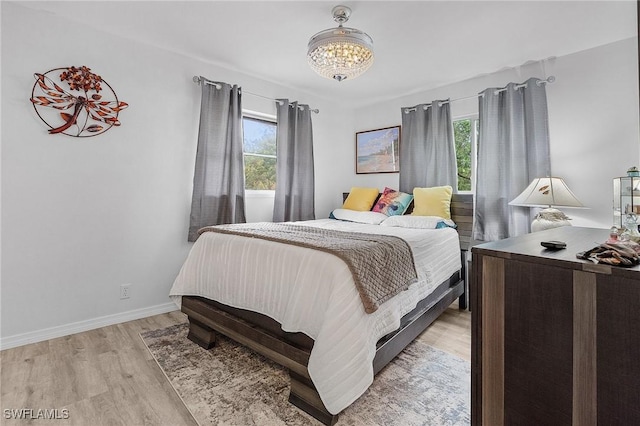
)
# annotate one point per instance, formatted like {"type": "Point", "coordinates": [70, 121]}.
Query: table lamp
{"type": "Point", "coordinates": [547, 192]}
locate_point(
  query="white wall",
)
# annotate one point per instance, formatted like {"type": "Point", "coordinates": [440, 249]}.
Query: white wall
{"type": "Point", "coordinates": [593, 120]}
{"type": "Point", "coordinates": [80, 216]}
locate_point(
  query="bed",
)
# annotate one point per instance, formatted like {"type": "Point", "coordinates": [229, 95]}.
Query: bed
{"type": "Point", "coordinates": [318, 330]}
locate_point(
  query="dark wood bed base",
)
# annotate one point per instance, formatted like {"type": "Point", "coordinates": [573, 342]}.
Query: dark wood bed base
{"type": "Point", "coordinates": [291, 350]}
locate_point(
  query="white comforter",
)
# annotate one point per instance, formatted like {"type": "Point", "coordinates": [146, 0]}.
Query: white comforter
{"type": "Point", "coordinates": [313, 292]}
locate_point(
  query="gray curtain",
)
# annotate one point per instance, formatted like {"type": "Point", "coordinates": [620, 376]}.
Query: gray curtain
{"type": "Point", "coordinates": [218, 182]}
{"type": "Point", "coordinates": [295, 192]}
{"type": "Point", "coordinates": [513, 149]}
{"type": "Point", "coordinates": [427, 150]}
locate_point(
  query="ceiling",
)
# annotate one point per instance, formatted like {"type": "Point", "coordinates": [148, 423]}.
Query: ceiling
{"type": "Point", "coordinates": [419, 45]}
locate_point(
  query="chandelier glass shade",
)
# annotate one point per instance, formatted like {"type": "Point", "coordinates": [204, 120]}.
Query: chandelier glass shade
{"type": "Point", "coordinates": [340, 53]}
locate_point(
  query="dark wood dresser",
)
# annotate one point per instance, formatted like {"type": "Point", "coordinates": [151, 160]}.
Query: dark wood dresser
{"type": "Point", "coordinates": [555, 339]}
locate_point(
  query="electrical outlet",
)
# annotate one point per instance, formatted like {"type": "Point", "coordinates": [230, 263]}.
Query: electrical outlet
{"type": "Point", "coordinates": [125, 291]}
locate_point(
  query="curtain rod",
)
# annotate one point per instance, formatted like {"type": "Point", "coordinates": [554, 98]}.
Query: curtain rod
{"type": "Point", "coordinates": [198, 80]}
{"type": "Point", "coordinates": [548, 80]}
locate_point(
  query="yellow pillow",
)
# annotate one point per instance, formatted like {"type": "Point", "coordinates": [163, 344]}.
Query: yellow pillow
{"type": "Point", "coordinates": [434, 201]}
{"type": "Point", "coordinates": [361, 199]}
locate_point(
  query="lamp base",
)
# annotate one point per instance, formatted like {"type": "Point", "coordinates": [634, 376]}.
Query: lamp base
{"type": "Point", "coordinates": [549, 218]}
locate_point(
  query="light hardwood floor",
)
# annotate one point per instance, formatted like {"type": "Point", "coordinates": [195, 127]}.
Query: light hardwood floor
{"type": "Point", "coordinates": [108, 377]}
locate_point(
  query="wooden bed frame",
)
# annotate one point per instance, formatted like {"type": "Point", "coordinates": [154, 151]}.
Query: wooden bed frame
{"type": "Point", "coordinates": [292, 350]}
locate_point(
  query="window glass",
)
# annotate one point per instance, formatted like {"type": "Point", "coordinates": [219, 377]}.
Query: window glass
{"type": "Point", "coordinates": [465, 136]}
{"type": "Point", "coordinates": [259, 153]}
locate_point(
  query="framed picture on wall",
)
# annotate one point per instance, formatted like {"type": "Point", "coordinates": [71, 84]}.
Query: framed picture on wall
{"type": "Point", "coordinates": [378, 151]}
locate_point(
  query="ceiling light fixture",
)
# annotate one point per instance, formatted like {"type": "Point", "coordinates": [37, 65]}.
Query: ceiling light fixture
{"type": "Point", "coordinates": [340, 53]}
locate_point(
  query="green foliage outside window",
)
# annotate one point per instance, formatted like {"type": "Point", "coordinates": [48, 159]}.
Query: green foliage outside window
{"type": "Point", "coordinates": [462, 137]}
{"type": "Point", "coordinates": [259, 172]}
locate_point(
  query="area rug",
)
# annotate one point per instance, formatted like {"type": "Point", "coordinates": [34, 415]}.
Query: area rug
{"type": "Point", "coordinates": [231, 385]}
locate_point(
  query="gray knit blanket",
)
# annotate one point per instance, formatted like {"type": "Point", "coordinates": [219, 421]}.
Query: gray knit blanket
{"type": "Point", "coordinates": [382, 265]}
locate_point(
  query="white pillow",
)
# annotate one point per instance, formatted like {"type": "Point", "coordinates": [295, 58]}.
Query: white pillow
{"type": "Point", "coordinates": [371, 218]}
{"type": "Point", "coordinates": [418, 222]}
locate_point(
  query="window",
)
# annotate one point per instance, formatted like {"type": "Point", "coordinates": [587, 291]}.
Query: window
{"type": "Point", "coordinates": [465, 135]}
{"type": "Point", "coordinates": [259, 153]}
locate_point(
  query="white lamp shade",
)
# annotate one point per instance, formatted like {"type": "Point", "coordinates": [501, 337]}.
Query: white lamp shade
{"type": "Point", "coordinates": [547, 192]}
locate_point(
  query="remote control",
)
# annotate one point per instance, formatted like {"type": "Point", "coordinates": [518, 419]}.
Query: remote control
{"type": "Point", "coordinates": [554, 245]}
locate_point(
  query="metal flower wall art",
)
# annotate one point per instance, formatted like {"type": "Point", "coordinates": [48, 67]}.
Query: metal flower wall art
{"type": "Point", "coordinates": [75, 101]}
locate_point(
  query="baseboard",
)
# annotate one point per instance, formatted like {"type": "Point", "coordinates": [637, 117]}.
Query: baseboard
{"type": "Point", "coordinates": [80, 326]}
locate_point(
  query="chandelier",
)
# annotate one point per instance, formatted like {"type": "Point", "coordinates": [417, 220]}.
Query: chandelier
{"type": "Point", "coordinates": [340, 53]}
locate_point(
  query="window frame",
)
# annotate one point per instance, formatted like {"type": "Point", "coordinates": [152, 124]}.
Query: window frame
{"type": "Point", "coordinates": [258, 193]}
{"type": "Point", "coordinates": [475, 125]}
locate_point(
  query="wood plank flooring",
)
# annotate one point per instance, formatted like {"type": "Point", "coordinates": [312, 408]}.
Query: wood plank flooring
{"type": "Point", "coordinates": [108, 377]}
